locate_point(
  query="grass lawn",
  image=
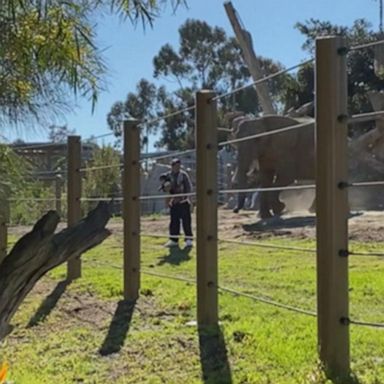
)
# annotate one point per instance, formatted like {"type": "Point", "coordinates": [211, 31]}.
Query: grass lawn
{"type": "Point", "coordinates": [84, 333]}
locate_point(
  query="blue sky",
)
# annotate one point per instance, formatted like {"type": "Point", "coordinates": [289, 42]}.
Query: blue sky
{"type": "Point", "coordinates": [130, 50]}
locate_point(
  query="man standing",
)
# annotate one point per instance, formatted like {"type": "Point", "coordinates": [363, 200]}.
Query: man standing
{"type": "Point", "coordinates": [180, 206]}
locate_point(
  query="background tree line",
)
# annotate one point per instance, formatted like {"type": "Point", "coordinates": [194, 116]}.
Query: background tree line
{"type": "Point", "coordinates": [207, 58]}
{"type": "Point", "coordinates": [48, 53]}
{"type": "Point", "coordinates": [48, 57]}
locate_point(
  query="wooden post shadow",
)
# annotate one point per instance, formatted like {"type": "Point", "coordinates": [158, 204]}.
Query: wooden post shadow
{"type": "Point", "coordinates": [118, 328]}
{"type": "Point", "coordinates": [213, 356]}
{"type": "Point", "coordinates": [48, 304]}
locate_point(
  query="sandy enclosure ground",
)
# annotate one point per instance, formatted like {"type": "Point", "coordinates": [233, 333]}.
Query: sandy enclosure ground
{"type": "Point", "coordinates": [364, 226]}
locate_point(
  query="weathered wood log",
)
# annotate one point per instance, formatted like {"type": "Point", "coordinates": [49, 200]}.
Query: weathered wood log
{"type": "Point", "coordinates": [41, 250]}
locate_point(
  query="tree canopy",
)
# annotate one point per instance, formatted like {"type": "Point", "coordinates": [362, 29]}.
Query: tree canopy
{"type": "Point", "coordinates": [361, 74]}
{"type": "Point", "coordinates": [48, 51]}
{"type": "Point", "coordinates": [205, 58]}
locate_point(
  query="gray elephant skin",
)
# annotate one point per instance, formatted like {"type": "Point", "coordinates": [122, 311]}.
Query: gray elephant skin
{"type": "Point", "coordinates": [274, 160]}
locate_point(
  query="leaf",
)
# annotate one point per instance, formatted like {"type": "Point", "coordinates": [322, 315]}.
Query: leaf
{"type": "Point", "coordinates": [3, 372]}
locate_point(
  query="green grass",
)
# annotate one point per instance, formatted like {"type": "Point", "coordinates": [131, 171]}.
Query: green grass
{"type": "Point", "coordinates": [84, 334]}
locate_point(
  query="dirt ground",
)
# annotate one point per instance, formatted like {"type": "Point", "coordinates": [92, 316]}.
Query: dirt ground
{"type": "Point", "coordinates": [364, 226]}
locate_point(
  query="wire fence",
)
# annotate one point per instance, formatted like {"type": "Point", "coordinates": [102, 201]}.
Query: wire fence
{"type": "Point", "coordinates": [270, 246]}
{"type": "Point", "coordinates": [207, 279]}
{"type": "Point", "coordinates": [268, 189]}
{"type": "Point", "coordinates": [221, 288]}
{"type": "Point", "coordinates": [364, 117]}
{"type": "Point", "coordinates": [366, 254]}
{"type": "Point", "coordinates": [366, 45]}
{"type": "Point", "coordinates": [268, 133]}
{"type": "Point", "coordinates": [264, 79]}
{"type": "Point", "coordinates": [238, 293]}
{"type": "Point", "coordinates": [101, 167]}
{"type": "Point", "coordinates": [366, 183]}
{"type": "Point", "coordinates": [32, 199]}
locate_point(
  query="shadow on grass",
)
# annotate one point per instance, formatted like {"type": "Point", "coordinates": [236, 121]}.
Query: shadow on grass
{"type": "Point", "coordinates": [213, 356]}
{"type": "Point", "coordinates": [352, 379]}
{"type": "Point", "coordinates": [48, 304]}
{"type": "Point", "coordinates": [118, 329]}
{"type": "Point", "coordinates": [176, 256]}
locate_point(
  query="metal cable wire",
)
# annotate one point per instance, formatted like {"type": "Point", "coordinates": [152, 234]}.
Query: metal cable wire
{"type": "Point", "coordinates": [267, 189]}
{"type": "Point", "coordinates": [271, 246]}
{"type": "Point", "coordinates": [164, 276]}
{"type": "Point", "coordinates": [100, 136]}
{"type": "Point", "coordinates": [96, 262]}
{"type": "Point", "coordinates": [175, 154]}
{"type": "Point", "coordinates": [193, 194]}
{"type": "Point", "coordinates": [43, 145]}
{"type": "Point", "coordinates": [353, 119]}
{"type": "Point", "coordinates": [223, 289]}
{"type": "Point", "coordinates": [36, 146]}
{"type": "Point", "coordinates": [38, 173]}
{"type": "Point", "coordinates": [241, 294]}
{"type": "Point", "coordinates": [88, 169]}
{"type": "Point", "coordinates": [264, 79]}
{"type": "Point", "coordinates": [164, 236]}
{"type": "Point", "coordinates": [154, 158]}
{"type": "Point", "coordinates": [269, 133]}
{"type": "Point", "coordinates": [364, 117]}
{"type": "Point", "coordinates": [367, 254]}
{"type": "Point", "coordinates": [102, 199]}
{"type": "Point", "coordinates": [191, 108]}
{"type": "Point", "coordinates": [366, 45]}
{"type": "Point", "coordinates": [366, 323]}
{"type": "Point", "coordinates": [154, 197]}
{"type": "Point", "coordinates": [144, 197]}
{"type": "Point", "coordinates": [366, 183]}
{"type": "Point", "coordinates": [270, 302]}
{"type": "Point", "coordinates": [32, 199]}
{"type": "Point", "coordinates": [157, 119]}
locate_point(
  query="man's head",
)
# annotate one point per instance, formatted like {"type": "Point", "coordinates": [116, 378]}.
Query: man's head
{"type": "Point", "coordinates": [175, 164]}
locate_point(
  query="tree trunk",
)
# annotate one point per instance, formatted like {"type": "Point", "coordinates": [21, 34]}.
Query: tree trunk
{"type": "Point", "coordinates": [41, 250]}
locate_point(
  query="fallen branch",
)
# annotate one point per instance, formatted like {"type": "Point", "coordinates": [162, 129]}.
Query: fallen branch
{"type": "Point", "coordinates": [41, 250]}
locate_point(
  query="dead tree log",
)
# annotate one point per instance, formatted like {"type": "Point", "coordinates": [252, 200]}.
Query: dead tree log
{"type": "Point", "coordinates": [41, 250]}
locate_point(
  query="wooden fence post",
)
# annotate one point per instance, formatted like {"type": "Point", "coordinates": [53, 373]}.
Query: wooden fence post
{"type": "Point", "coordinates": [4, 219]}
{"type": "Point", "coordinates": [332, 205]}
{"type": "Point", "coordinates": [131, 209]}
{"type": "Point", "coordinates": [58, 188]}
{"type": "Point", "coordinates": [74, 196]}
{"type": "Point", "coordinates": [206, 215]}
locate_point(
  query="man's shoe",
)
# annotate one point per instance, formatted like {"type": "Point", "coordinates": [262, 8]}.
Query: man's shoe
{"type": "Point", "coordinates": [188, 243]}
{"type": "Point", "coordinates": [171, 243]}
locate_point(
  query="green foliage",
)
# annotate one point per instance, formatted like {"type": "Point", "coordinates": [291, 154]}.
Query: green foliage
{"type": "Point", "coordinates": [176, 130]}
{"type": "Point", "coordinates": [28, 204]}
{"type": "Point", "coordinates": [140, 105]}
{"type": "Point", "coordinates": [22, 190]}
{"type": "Point", "coordinates": [48, 47]}
{"type": "Point", "coordinates": [12, 171]}
{"type": "Point", "coordinates": [361, 75]}
{"type": "Point", "coordinates": [59, 134]}
{"type": "Point", "coordinates": [206, 58]}
{"type": "Point", "coordinates": [299, 89]}
{"type": "Point", "coordinates": [104, 182]}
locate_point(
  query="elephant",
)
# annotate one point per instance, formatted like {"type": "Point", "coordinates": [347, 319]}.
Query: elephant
{"type": "Point", "coordinates": [272, 161]}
